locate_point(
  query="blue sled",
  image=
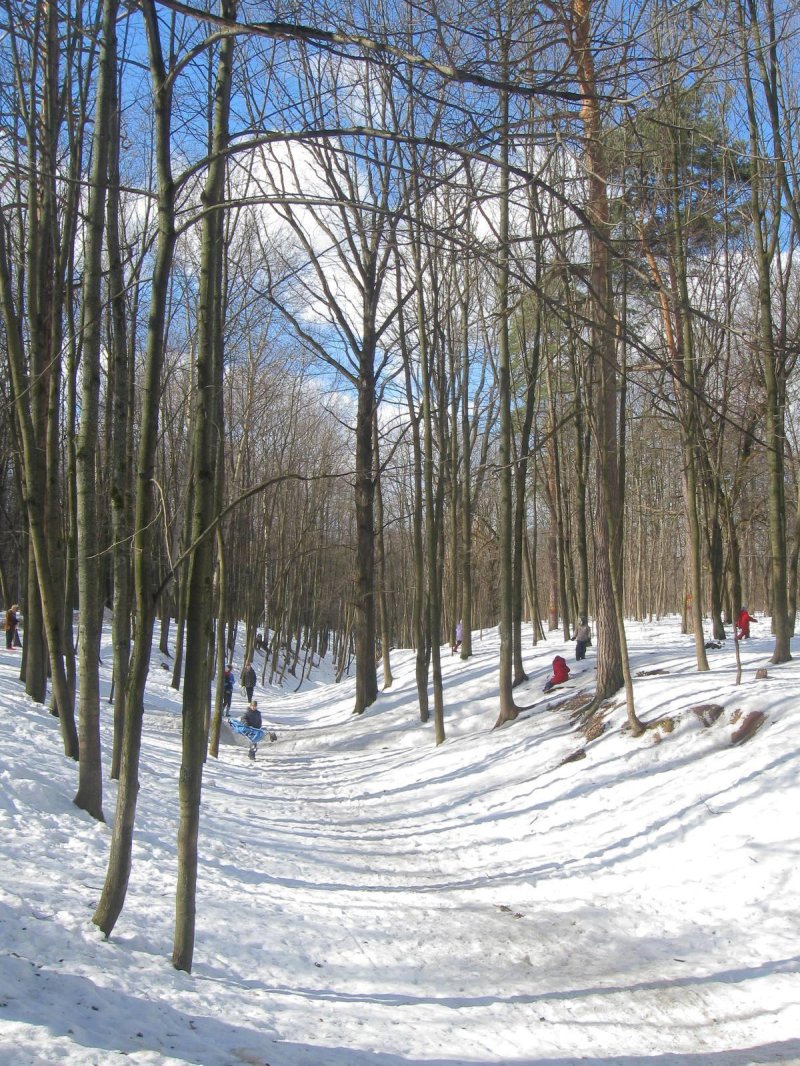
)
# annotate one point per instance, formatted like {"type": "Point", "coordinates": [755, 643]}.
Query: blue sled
{"type": "Point", "coordinates": [252, 735]}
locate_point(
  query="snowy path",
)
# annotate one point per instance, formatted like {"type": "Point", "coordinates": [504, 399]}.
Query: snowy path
{"type": "Point", "coordinates": [410, 896]}
{"type": "Point", "coordinates": [368, 899]}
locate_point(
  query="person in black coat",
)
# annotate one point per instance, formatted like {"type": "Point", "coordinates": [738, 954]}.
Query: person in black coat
{"type": "Point", "coordinates": [252, 717]}
{"type": "Point", "coordinates": [583, 638]}
{"type": "Point", "coordinates": [248, 680]}
{"type": "Point", "coordinates": [12, 621]}
{"type": "Point", "coordinates": [227, 690]}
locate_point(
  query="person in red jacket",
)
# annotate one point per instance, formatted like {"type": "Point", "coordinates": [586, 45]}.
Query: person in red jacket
{"type": "Point", "coordinates": [560, 673]}
{"type": "Point", "coordinates": [743, 624]}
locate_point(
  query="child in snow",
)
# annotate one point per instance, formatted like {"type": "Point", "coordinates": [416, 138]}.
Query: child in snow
{"type": "Point", "coordinates": [560, 673]}
{"type": "Point", "coordinates": [743, 624]}
{"type": "Point", "coordinates": [459, 637]}
{"type": "Point", "coordinates": [252, 717]}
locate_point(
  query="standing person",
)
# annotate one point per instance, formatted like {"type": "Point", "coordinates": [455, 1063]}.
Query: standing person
{"type": "Point", "coordinates": [11, 626]}
{"type": "Point", "coordinates": [560, 673]}
{"type": "Point", "coordinates": [459, 636]}
{"type": "Point", "coordinates": [227, 690]}
{"type": "Point", "coordinates": [743, 621]}
{"type": "Point", "coordinates": [583, 638]}
{"type": "Point", "coordinates": [252, 717]}
{"type": "Point", "coordinates": [248, 680]}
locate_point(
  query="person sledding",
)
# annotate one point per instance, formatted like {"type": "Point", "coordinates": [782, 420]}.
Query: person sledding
{"type": "Point", "coordinates": [743, 620]}
{"type": "Point", "coordinates": [560, 673]}
{"type": "Point", "coordinates": [252, 718]}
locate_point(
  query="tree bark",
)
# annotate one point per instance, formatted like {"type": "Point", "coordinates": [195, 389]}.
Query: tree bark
{"type": "Point", "coordinates": [112, 898]}
{"type": "Point", "coordinates": [89, 796]}
{"type": "Point", "coordinates": [508, 709]}
{"type": "Point", "coordinates": [206, 449]}
{"type": "Point", "coordinates": [611, 671]}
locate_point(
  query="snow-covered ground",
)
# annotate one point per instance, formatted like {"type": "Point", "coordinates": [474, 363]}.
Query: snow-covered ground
{"type": "Point", "coordinates": [369, 899]}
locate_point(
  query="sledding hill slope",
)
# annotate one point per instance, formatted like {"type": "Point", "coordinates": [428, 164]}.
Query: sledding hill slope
{"type": "Point", "coordinates": [527, 895]}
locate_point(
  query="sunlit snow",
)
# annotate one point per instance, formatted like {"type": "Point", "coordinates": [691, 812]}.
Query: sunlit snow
{"type": "Point", "coordinates": [369, 899]}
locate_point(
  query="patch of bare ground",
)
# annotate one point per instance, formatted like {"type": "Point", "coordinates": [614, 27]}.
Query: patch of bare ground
{"type": "Point", "coordinates": [591, 725]}
{"type": "Point", "coordinates": [708, 713]}
{"type": "Point", "coordinates": [576, 756]}
{"type": "Point", "coordinates": [665, 725]}
{"type": "Point", "coordinates": [574, 703]}
{"type": "Point", "coordinates": [659, 727]}
{"type": "Point", "coordinates": [751, 723]}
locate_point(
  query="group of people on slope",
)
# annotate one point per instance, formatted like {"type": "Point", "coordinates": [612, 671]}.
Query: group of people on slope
{"type": "Point", "coordinates": [252, 716]}
{"type": "Point", "coordinates": [583, 638]}
{"type": "Point", "coordinates": [247, 680]}
{"type": "Point", "coordinates": [561, 671]}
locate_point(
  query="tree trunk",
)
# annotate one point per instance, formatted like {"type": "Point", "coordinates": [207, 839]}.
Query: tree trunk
{"type": "Point", "coordinates": [760, 45]}
{"type": "Point", "coordinates": [221, 657]}
{"type": "Point", "coordinates": [508, 710]}
{"type": "Point", "coordinates": [417, 538]}
{"type": "Point", "coordinates": [365, 615]}
{"type": "Point", "coordinates": [121, 399]}
{"type": "Point", "coordinates": [90, 782]}
{"type": "Point", "coordinates": [380, 563]}
{"type": "Point", "coordinates": [206, 449]}
{"type": "Point", "coordinates": [35, 506]}
{"type": "Point", "coordinates": [608, 562]}
{"type": "Point", "coordinates": [112, 898]}
{"type": "Point", "coordinates": [466, 479]}
{"type": "Point", "coordinates": [434, 626]}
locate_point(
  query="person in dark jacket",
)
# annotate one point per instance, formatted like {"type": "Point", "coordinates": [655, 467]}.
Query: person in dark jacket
{"type": "Point", "coordinates": [583, 638]}
{"type": "Point", "coordinates": [12, 621]}
{"type": "Point", "coordinates": [560, 673]}
{"type": "Point", "coordinates": [227, 690]}
{"type": "Point", "coordinates": [252, 717]}
{"type": "Point", "coordinates": [248, 680]}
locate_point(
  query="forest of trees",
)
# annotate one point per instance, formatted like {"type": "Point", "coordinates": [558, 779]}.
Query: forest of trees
{"type": "Point", "coordinates": [339, 324]}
